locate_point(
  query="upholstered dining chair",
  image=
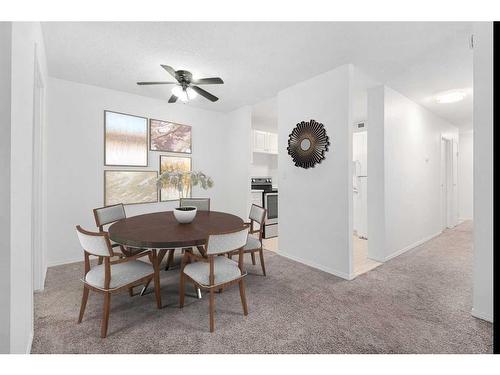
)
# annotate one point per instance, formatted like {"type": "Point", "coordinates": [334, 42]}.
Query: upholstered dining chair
{"type": "Point", "coordinates": [112, 276]}
{"type": "Point", "coordinates": [202, 204]}
{"type": "Point", "coordinates": [214, 271]}
{"type": "Point", "coordinates": [254, 241]}
{"type": "Point", "coordinates": [108, 215]}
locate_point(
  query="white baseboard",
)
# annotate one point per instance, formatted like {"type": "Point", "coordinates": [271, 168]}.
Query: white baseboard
{"type": "Point", "coordinates": [30, 343]}
{"type": "Point", "coordinates": [481, 315]}
{"type": "Point", "coordinates": [40, 288]}
{"type": "Point", "coordinates": [413, 245]}
{"type": "Point", "coordinates": [317, 266]}
{"type": "Point", "coordinates": [62, 262]}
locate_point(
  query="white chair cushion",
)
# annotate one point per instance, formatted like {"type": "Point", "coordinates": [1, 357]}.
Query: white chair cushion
{"type": "Point", "coordinates": [95, 245]}
{"type": "Point", "coordinates": [121, 274]}
{"type": "Point", "coordinates": [256, 213]}
{"type": "Point", "coordinates": [110, 214]}
{"type": "Point", "coordinates": [223, 243]}
{"type": "Point", "coordinates": [224, 270]}
{"type": "Point", "coordinates": [252, 243]}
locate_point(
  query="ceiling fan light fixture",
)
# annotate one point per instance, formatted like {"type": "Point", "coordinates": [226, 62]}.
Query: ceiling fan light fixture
{"type": "Point", "coordinates": [184, 94]}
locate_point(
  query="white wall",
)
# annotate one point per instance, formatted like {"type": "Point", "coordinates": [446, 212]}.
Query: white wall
{"type": "Point", "coordinates": [27, 42]}
{"type": "Point", "coordinates": [410, 137]}
{"type": "Point", "coordinates": [483, 171]}
{"type": "Point", "coordinates": [75, 157]}
{"type": "Point", "coordinates": [264, 165]}
{"type": "Point", "coordinates": [465, 176]}
{"type": "Point", "coordinates": [315, 205]}
{"type": "Point", "coordinates": [360, 83]}
{"type": "Point", "coordinates": [236, 149]}
{"type": "Point", "coordinates": [5, 112]}
{"type": "Point", "coordinates": [376, 169]}
{"type": "Point", "coordinates": [264, 118]}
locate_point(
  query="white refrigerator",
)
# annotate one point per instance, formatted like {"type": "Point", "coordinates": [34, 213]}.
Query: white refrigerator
{"type": "Point", "coordinates": [360, 183]}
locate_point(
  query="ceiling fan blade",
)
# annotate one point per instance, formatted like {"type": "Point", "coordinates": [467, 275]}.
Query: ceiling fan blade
{"type": "Point", "coordinates": [170, 70]}
{"type": "Point", "coordinates": [157, 83]}
{"type": "Point", "coordinates": [208, 81]}
{"type": "Point", "coordinates": [172, 99]}
{"type": "Point", "coordinates": [204, 93]}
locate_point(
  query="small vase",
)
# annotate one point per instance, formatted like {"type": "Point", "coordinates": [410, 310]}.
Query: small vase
{"type": "Point", "coordinates": [185, 215]}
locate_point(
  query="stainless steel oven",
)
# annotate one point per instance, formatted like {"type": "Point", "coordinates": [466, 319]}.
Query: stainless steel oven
{"type": "Point", "coordinates": [269, 200]}
{"type": "Point", "coordinates": [271, 206]}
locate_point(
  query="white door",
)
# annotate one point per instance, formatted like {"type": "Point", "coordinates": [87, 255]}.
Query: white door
{"type": "Point", "coordinates": [444, 217]}
{"type": "Point", "coordinates": [454, 184]}
{"type": "Point", "coordinates": [449, 182]}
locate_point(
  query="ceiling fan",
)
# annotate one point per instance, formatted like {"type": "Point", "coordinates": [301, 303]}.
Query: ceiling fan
{"type": "Point", "coordinates": [185, 88]}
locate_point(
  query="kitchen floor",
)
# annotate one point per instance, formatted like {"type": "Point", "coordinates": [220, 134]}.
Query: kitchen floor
{"type": "Point", "coordinates": [360, 261]}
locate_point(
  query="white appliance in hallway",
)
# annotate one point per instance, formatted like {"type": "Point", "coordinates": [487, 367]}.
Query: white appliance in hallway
{"type": "Point", "coordinates": [265, 195]}
{"type": "Point", "coordinates": [359, 183]}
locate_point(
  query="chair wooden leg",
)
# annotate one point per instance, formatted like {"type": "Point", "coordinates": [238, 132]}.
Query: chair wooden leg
{"type": "Point", "coordinates": [253, 258]}
{"type": "Point", "coordinates": [99, 260]}
{"type": "Point", "coordinates": [262, 264]}
{"type": "Point", "coordinates": [105, 316]}
{"type": "Point", "coordinates": [182, 290]}
{"type": "Point", "coordinates": [85, 297]}
{"type": "Point", "coordinates": [212, 310]}
{"type": "Point", "coordinates": [156, 278]}
{"type": "Point", "coordinates": [131, 291]}
{"type": "Point", "coordinates": [170, 259]}
{"type": "Point", "coordinates": [243, 297]}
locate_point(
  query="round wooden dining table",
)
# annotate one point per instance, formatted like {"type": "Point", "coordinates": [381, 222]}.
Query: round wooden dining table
{"type": "Point", "coordinates": [160, 232]}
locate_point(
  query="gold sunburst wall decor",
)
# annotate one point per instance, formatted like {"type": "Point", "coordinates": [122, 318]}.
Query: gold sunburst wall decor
{"type": "Point", "coordinates": [307, 144]}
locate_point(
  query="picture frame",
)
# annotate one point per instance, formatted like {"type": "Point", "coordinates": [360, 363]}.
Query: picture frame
{"type": "Point", "coordinates": [130, 186]}
{"type": "Point", "coordinates": [164, 160]}
{"type": "Point", "coordinates": [126, 139]}
{"type": "Point", "coordinates": [167, 136]}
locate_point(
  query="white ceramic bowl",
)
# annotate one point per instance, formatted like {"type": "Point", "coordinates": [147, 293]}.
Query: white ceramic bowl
{"type": "Point", "coordinates": [185, 215]}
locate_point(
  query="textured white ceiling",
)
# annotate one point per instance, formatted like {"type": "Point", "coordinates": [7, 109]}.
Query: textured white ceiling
{"type": "Point", "coordinates": [256, 60]}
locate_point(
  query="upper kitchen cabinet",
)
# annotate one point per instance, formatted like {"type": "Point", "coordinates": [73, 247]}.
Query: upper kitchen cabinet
{"type": "Point", "coordinates": [265, 142]}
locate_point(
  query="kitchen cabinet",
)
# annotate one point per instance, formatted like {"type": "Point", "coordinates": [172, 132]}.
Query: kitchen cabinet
{"type": "Point", "coordinates": [265, 142]}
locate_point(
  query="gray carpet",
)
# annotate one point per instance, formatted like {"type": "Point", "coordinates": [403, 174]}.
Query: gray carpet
{"type": "Point", "coordinates": [419, 302]}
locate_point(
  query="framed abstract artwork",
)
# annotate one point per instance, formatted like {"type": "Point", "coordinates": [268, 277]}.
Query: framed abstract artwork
{"type": "Point", "coordinates": [175, 164]}
{"type": "Point", "coordinates": [169, 137]}
{"type": "Point", "coordinates": [308, 143]}
{"type": "Point", "coordinates": [130, 187]}
{"type": "Point", "coordinates": [125, 140]}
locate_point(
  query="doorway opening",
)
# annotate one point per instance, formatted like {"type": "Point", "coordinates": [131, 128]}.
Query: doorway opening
{"type": "Point", "coordinates": [360, 261]}
{"type": "Point", "coordinates": [449, 181]}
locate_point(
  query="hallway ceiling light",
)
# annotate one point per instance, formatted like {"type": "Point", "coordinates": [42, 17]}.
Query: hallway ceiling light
{"type": "Point", "coordinates": [451, 96]}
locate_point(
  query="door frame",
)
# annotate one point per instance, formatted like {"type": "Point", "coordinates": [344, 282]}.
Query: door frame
{"type": "Point", "coordinates": [38, 206]}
